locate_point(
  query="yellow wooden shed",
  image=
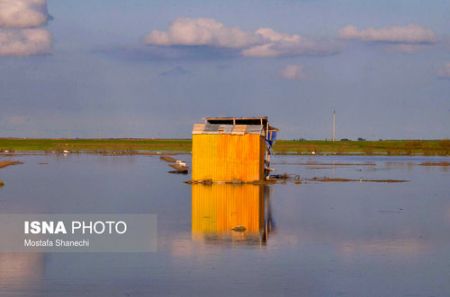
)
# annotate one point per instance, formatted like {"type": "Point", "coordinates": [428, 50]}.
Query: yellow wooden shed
{"type": "Point", "coordinates": [228, 149]}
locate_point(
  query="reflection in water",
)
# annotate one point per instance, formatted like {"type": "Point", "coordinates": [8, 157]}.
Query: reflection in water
{"type": "Point", "coordinates": [231, 213]}
{"type": "Point", "coordinates": [20, 270]}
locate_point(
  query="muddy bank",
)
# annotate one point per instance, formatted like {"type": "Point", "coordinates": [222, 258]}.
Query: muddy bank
{"type": "Point", "coordinates": [4, 164]}
{"type": "Point", "coordinates": [296, 179]}
{"type": "Point", "coordinates": [435, 164]}
{"type": "Point", "coordinates": [343, 180]}
{"type": "Point", "coordinates": [325, 164]}
{"type": "Point", "coordinates": [92, 152]}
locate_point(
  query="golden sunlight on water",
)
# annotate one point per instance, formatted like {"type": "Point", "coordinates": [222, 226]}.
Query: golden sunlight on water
{"type": "Point", "coordinates": [20, 270]}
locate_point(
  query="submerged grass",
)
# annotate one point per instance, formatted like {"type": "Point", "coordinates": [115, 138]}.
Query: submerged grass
{"type": "Point", "coordinates": [129, 146]}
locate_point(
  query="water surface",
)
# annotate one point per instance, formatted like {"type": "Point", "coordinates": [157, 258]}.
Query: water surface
{"type": "Point", "coordinates": [312, 239]}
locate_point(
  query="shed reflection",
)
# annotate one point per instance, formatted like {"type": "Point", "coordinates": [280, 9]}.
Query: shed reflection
{"type": "Point", "coordinates": [238, 214]}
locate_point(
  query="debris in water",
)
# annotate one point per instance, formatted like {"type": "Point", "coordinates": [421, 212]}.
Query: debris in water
{"type": "Point", "coordinates": [9, 163]}
{"type": "Point", "coordinates": [279, 176]}
{"type": "Point", "coordinates": [271, 179]}
{"type": "Point", "coordinates": [180, 167]}
{"type": "Point", "coordinates": [203, 182]}
{"type": "Point", "coordinates": [168, 159]}
{"type": "Point", "coordinates": [179, 171]}
{"type": "Point", "coordinates": [285, 177]}
{"type": "Point", "coordinates": [239, 228]}
{"type": "Point", "coordinates": [2, 183]}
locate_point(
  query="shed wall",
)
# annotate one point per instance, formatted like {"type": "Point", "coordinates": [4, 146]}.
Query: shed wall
{"type": "Point", "coordinates": [225, 157]}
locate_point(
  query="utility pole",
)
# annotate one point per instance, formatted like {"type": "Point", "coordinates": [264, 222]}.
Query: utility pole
{"type": "Point", "coordinates": [334, 125]}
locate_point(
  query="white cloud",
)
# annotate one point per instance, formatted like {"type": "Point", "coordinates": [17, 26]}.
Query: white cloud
{"type": "Point", "coordinates": [23, 13]}
{"type": "Point", "coordinates": [293, 72]}
{"type": "Point", "coordinates": [264, 42]}
{"type": "Point", "coordinates": [21, 28]}
{"type": "Point", "coordinates": [282, 48]}
{"type": "Point", "coordinates": [444, 72]}
{"type": "Point", "coordinates": [409, 34]}
{"type": "Point", "coordinates": [201, 31]}
{"type": "Point", "coordinates": [272, 36]}
{"type": "Point", "coordinates": [24, 42]}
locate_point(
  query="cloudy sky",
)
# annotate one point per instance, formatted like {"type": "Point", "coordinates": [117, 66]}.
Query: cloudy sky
{"type": "Point", "coordinates": [138, 68]}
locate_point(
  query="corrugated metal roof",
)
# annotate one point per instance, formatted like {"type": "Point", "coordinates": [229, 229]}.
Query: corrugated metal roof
{"type": "Point", "coordinates": [227, 129]}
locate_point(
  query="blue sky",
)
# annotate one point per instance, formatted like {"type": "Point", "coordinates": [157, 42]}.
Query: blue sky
{"type": "Point", "coordinates": [152, 68]}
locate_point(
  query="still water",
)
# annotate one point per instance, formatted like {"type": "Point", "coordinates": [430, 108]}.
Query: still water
{"type": "Point", "coordinates": [310, 239]}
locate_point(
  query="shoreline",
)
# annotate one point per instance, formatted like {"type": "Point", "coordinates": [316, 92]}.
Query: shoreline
{"type": "Point", "coordinates": [175, 153]}
{"type": "Point", "coordinates": [155, 147]}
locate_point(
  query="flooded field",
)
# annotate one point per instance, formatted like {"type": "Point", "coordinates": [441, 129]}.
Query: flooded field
{"type": "Point", "coordinates": [314, 238]}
